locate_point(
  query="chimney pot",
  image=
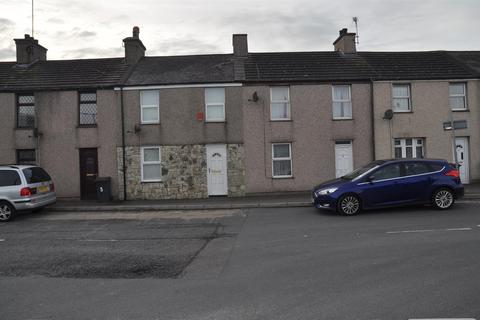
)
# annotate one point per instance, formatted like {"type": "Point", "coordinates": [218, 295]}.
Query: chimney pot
{"type": "Point", "coordinates": [136, 32]}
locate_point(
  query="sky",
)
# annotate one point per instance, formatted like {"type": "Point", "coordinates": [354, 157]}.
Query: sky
{"type": "Point", "coordinates": [72, 29]}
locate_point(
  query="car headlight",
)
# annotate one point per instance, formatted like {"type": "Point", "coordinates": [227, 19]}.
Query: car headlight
{"type": "Point", "coordinates": [325, 191]}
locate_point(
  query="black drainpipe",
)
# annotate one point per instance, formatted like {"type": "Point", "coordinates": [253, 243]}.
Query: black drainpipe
{"type": "Point", "coordinates": [123, 146]}
{"type": "Point", "coordinates": [372, 106]}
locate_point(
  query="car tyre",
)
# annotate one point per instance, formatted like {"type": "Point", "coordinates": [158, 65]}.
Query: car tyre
{"type": "Point", "coordinates": [7, 211]}
{"type": "Point", "coordinates": [349, 205]}
{"type": "Point", "coordinates": [443, 199]}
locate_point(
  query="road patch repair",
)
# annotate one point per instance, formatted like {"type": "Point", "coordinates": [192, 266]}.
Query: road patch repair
{"type": "Point", "coordinates": [107, 245]}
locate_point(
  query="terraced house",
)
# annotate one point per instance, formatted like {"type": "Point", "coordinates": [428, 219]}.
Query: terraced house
{"type": "Point", "coordinates": [61, 115]}
{"type": "Point", "coordinates": [174, 127]}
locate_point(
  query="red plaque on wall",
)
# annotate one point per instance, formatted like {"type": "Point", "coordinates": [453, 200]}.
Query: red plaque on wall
{"type": "Point", "coordinates": [200, 116]}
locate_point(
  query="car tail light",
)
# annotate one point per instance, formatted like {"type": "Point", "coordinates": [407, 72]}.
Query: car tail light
{"type": "Point", "coordinates": [52, 187]}
{"type": "Point", "coordinates": [25, 192]}
{"type": "Point", "coordinates": [453, 173]}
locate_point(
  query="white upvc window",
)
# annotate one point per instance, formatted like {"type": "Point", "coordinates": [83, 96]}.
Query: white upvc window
{"type": "Point", "coordinates": [149, 106]}
{"type": "Point", "coordinates": [279, 103]}
{"type": "Point", "coordinates": [458, 95]}
{"type": "Point", "coordinates": [342, 102]}
{"type": "Point", "coordinates": [151, 164]}
{"type": "Point", "coordinates": [409, 148]}
{"type": "Point", "coordinates": [215, 104]}
{"type": "Point", "coordinates": [401, 101]}
{"type": "Point", "coordinates": [282, 160]}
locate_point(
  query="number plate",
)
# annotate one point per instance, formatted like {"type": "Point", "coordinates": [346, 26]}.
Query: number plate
{"type": "Point", "coordinates": [42, 189]}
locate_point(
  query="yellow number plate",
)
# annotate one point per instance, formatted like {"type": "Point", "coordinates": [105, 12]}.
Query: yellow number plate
{"type": "Point", "coordinates": [43, 189]}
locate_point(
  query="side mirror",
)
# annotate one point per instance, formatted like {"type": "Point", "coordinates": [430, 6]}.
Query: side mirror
{"type": "Point", "coordinates": [370, 179]}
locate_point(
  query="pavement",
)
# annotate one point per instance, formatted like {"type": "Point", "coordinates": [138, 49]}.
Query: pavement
{"type": "Point", "coordinates": [266, 200]}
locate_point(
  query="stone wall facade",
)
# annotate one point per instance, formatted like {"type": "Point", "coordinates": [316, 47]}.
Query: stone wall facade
{"type": "Point", "coordinates": [184, 173]}
{"type": "Point", "coordinates": [236, 170]}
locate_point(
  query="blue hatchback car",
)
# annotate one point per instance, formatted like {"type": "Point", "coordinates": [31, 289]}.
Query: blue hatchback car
{"type": "Point", "coordinates": [388, 183]}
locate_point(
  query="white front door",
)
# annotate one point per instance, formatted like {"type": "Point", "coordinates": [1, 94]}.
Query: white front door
{"type": "Point", "coordinates": [343, 158]}
{"type": "Point", "coordinates": [461, 145]}
{"type": "Point", "coordinates": [217, 169]}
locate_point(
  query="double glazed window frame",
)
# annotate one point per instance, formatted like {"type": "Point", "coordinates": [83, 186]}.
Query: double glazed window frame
{"type": "Point", "coordinates": [463, 95]}
{"type": "Point", "coordinates": [208, 117]}
{"type": "Point", "coordinates": [85, 103]}
{"type": "Point", "coordinates": [408, 97]}
{"type": "Point", "coordinates": [155, 106]}
{"type": "Point", "coordinates": [414, 146]}
{"type": "Point", "coordinates": [342, 102]}
{"type": "Point", "coordinates": [289, 158]}
{"type": "Point", "coordinates": [143, 163]}
{"type": "Point", "coordinates": [19, 104]}
{"type": "Point", "coordinates": [286, 101]}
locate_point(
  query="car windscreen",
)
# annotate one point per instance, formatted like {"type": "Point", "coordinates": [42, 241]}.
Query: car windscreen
{"type": "Point", "coordinates": [9, 178]}
{"type": "Point", "coordinates": [36, 175]}
{"type": "Point", "coordinates": [358, 172]}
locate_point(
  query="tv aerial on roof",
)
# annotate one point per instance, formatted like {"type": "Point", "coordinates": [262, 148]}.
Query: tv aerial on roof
{"type": "Point", "coordinates": [355, 20]}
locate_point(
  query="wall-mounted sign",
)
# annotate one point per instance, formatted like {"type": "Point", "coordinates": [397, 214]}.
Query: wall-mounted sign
{"type": "Point", "coordinates": [458, 124]}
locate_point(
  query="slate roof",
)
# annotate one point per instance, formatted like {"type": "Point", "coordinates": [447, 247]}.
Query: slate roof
{"type": "Point", "coordinates": [63, 74]}
{"type": "Point", "coordinates": [259, 67]}
{"type": "Point", "coordinates": [470, 59]}
{"type": "Point", "coordinates": [331, 66]}
{"type": "Point", "coordinates": [306, 66]}
{"type": "Point", "coordinates": [415, 65]}
{"type": "Point", "coordinates": [216, 68]}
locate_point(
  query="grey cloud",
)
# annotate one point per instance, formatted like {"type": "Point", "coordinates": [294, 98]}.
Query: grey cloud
{"type": "Point", "coordinates": [6, 24]}
{"type": "Point", "coordinates": [85, 34]}
{"type": "Point", "coordinates": [184, 45]}
{"type": "Point", "coordinates": [92, 52]}
{"type": "Point", "coordinates": [75, 33]}
{"type": "Point", "coordinates": [7, 54]}
{"type": "Point", "coordinates": [307, 29]}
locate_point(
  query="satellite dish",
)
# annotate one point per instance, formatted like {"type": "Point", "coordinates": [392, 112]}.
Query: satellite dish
{"type": "Point", "coordinates": [255, 97]}
{"type": "Point", "coordinates": [388, 115]}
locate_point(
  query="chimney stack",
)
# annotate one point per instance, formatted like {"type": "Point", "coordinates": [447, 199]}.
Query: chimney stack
{"type": "Point", "coordinates": [345, 42]}
{"type": "Point", "coordinates": [134, 48]}
{"type": "Point", "coordinates": [29, 51]}
{"type": "Point", "coordinates": [240, 45]}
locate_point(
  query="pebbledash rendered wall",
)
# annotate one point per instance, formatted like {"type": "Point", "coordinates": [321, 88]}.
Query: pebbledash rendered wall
{"type": "Point", "coordinates": [184, 173]}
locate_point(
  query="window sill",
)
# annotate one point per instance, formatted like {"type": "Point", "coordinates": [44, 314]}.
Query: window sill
{"type": "Point", "coordinates": [460, 110]}
{"type": "Point", "coordinates": [149, 123]}
{"type": "Point", "coordinates": [281, 120]}
{"type": "Point", "coordinates": [151, 181]}
{"type": "Point", "coordinates": [342, 119]}
{"type": "Point", "coordinates": [410, 111]}
{"type": "Point", "coordinates": [215, 121]}
{"type": "Point", "coordinates": [87, 126]}
{"type": "Point", "coordinates": [24, 129]}
{"type": "Point", "coordinates": [283, 177]}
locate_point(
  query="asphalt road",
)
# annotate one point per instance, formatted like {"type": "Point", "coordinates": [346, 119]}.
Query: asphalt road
{"type": "Point", "coordinates": [295, 263]}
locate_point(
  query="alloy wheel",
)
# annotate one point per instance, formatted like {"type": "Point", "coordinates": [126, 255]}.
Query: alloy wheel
{"type": "Point", "coordinates": [350, 205]}
{"type": "Point", "coordinates": [5, 212]}
{"type": "Point", "coordinates": [443, 199]}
